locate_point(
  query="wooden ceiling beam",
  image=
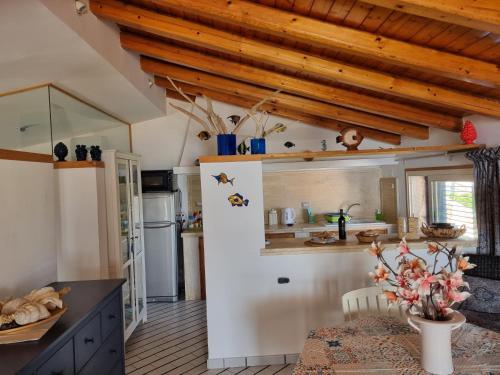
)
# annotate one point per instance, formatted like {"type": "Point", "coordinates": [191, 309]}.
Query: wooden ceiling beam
{"type": "Point", "coordinates": [323, 34]}
{"type": "Point", "coordinates": [273, 109]}
{"type": "Point", "coordinates": [207, 37]}
{"type": "Point", "coordinates": [284, 100]}
{"type": "Point", "coordinates": [172, 94]}
{"type": "Point", "coordinates": [481, 15]}
{"type": "Point", "coordinates": [274, 80]}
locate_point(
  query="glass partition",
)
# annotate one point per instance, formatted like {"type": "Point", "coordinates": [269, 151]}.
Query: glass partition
{"type": "Point", "coordinates": [25, 121]}
{"type": "Point", "coordinates": [36, 120]}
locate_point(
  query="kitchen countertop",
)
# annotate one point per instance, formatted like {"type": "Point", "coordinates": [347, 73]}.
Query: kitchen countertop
{"type": "Point", "coordinates": [192, 232]}
{"type": "Point", "coordinates": [293, 246]}
{"type": "Point", "coordinates": [320, 227]}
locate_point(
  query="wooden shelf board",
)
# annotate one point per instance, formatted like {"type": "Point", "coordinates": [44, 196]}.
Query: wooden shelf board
{"type": "Point", "coordinates": [25, 156]}
{"type": "Point", "coordinates": [78, 164]}
{"type": "Point", "coordinates": [341, 153]}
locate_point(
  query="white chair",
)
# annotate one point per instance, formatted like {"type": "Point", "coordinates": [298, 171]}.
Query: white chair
{"type": "Point", "coordinates": [369, 301]}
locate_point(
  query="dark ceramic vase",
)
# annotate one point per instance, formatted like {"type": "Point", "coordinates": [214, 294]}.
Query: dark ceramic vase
{"type": "Point", "coordinates": [61, 151]}
{"type": "Point", "coordinates": [95, 153]}
{"type": "Point", "coordinates": [81, 152]}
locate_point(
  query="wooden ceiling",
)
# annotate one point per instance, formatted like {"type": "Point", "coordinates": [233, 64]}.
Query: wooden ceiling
{"type": "Point", "coordinates": [388, 67]}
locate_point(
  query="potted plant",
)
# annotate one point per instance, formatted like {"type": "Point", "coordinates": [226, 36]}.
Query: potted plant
{"type": "Point", "coordinates": [214, 124]}
{"type": "Point", "coordinates": [429, 292]}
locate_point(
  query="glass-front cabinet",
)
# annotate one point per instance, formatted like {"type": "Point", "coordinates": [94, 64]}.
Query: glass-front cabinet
{"type": "Point", "coordinates": [126, 245]}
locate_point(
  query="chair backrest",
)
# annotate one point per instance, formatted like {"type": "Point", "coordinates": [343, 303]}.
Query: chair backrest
{"type": "Point", "coordinates": [368, 301]}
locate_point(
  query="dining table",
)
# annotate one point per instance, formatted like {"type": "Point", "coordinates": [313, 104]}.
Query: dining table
{"type": "Point", "coordinates": [389, 346]}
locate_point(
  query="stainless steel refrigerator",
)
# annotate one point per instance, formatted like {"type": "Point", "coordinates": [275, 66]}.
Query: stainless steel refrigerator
{"type": "Point", "coordinates": [160, 242]}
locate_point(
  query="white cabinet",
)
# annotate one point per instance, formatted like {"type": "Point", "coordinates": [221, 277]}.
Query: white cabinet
{"type": "Point", "coordinates": [125, 233]}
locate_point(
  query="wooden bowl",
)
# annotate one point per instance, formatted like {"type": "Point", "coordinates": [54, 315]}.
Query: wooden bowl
{"type": "Point", "coordinates": [367, 236]}
{"type": "Point", "coordinates": [443, 233]}
{"type": "Point", "coordinates": [33, 331]}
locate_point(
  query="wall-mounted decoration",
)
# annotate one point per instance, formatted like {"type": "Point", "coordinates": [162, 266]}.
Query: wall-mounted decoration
{"type": "Point", "coordinates": [222, 178]}
{"type": "Point", "coordinates": [323, 145]}
{"type": "Point", "coordinates": [243, 147]}
{"type": "Point", "coordinates": [350, 138]}
{"type": "Point", "coordinates": [95, 153]}
{"type": "Point", "coordinates": [204, 135]}
{"type": "Point", "coordinates": [289, 144]}
{"type": "Point", "coordinates": [61, 151]}
{"type": "Point", "coordinates": [81, 152]}
{"type": "Point", "coordinates": [468, 134]}
{"type": "Point", "coordinates": [234, 119]}
{"type": "Point", "coordinates": [237, 200]}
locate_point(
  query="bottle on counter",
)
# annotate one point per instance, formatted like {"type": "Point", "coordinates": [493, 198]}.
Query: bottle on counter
{"type": "Point", "coordinates": [273, 217]}
{"type": "Point", "coordinates": [341, 222]}
{"type": "Point", "coordinates": [378, 215]}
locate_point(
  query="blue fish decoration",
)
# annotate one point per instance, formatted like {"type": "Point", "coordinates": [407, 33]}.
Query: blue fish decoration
{"type": "Point", "coordinates": [222, 178]}
{"type": "Point", "coordinates": [237, 200]}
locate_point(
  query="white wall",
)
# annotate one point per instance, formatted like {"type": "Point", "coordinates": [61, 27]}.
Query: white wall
{"type": "Point", "coordinates": [83, 251]}
{"type": "Point", "coordinates": [28, 226]}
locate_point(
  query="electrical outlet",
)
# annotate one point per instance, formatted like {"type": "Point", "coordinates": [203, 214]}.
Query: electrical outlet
{"type": "Point", "coordinates": [305, 205]}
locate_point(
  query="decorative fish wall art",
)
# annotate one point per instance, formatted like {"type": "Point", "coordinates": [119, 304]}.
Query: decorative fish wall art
{"type": "Point", "coordinates": [222, 178]}
{"type": "Point", "coordinates": [237, 200]}
{"type": "Point", "coordinates": [243, 148]}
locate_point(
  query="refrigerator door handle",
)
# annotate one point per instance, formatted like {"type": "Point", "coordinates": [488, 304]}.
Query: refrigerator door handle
{"type": "Point", "coordinates": [158, 226]}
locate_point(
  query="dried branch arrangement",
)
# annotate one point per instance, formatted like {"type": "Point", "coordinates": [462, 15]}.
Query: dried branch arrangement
{"type": "Point", "coordinates": [261, 120]}
{"type": "Point", "coordinates": [214, 124]}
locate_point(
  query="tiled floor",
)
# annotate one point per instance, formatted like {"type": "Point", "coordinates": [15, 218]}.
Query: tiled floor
{"type": "Point", "coordinates": [174, 342]}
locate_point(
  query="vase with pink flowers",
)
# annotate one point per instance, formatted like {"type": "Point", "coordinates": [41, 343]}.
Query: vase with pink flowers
{"type": "Point", "coordinates": [429, 286]}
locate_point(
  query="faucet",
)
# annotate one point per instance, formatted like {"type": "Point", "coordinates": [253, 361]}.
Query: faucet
{"type": "Point", "coordinates": [351, 206]}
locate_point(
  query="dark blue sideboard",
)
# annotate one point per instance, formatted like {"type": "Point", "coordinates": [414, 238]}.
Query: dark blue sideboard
{"type": "Point", "coordinates": [87, 340]}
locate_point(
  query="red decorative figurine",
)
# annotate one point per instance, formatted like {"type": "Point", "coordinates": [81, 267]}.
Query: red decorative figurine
{"type": "Point", "coordinates": [468, 134]}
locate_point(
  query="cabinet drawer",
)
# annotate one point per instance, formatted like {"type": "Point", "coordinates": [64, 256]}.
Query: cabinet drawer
{"type": "Point", "coordinates": [110, 317]}
{"type": "Point", "coordinates": [87, 341]}
{"type": "Point", "coordinates": [107, 356]}
{"type": "Point", "coordinates": [119, 369]}
{"type": "Point", "coordinates": [61, 363]}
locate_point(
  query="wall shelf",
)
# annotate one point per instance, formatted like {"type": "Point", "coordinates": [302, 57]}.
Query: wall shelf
{"type": "Point", "coordinates": [344, 154]}
{"type": "Point", "coordinates": [78, 164]}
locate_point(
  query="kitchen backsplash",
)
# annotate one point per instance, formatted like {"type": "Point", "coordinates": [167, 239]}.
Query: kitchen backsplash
{"type": "Point", "coordinates": [325, 190]}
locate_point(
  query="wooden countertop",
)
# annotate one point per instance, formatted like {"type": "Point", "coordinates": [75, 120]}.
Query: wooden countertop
{"type": "Point", "coordinates": [295, 246]}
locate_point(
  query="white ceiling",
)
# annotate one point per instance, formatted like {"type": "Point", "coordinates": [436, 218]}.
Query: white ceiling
{"type": "Point", "coordinates": [38, 47]}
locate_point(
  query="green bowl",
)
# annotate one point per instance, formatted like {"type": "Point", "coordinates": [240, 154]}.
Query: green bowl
{"type": "Point", "coordinates": [334, 217]}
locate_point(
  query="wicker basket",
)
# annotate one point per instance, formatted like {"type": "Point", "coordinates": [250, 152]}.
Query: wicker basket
{"type": "Point", "coordinates": [367, 236]}
{"type": "Point", "coordinates": [444, 233]}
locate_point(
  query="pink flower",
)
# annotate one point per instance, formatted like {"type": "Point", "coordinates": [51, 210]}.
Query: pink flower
{"type": "Point", "coordinates": [453, 280]}
{"type": "Point", "coordinates": [456, 296]}
{"type": "Point", "coordinates": [432, 248]}
{"type": "Point", "coordinates": [403, 247]}
{"type": "Point", "coordinates": [410, 296]}
{"type": "Point", "coordinates": [391, 296]}
{"type": "Point", "coordinates": [380, 274]}
{"type": "Point", "coordinates": [424, 283]}
{"type": "Point", "coordinates": [375, 249]}
{"type": "Point", "coordinates": [463, 263]}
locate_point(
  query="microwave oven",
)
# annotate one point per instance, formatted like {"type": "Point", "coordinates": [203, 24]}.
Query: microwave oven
{"type": "Point", "coordinates": [163, 180]}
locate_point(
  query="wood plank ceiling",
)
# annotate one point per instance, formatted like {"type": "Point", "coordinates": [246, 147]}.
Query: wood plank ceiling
{"type": "Point", "coordinates": [388, 67]}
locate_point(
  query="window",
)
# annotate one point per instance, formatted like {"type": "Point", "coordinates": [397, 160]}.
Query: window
{"type": "Point", "coordinates": [443, 196]}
